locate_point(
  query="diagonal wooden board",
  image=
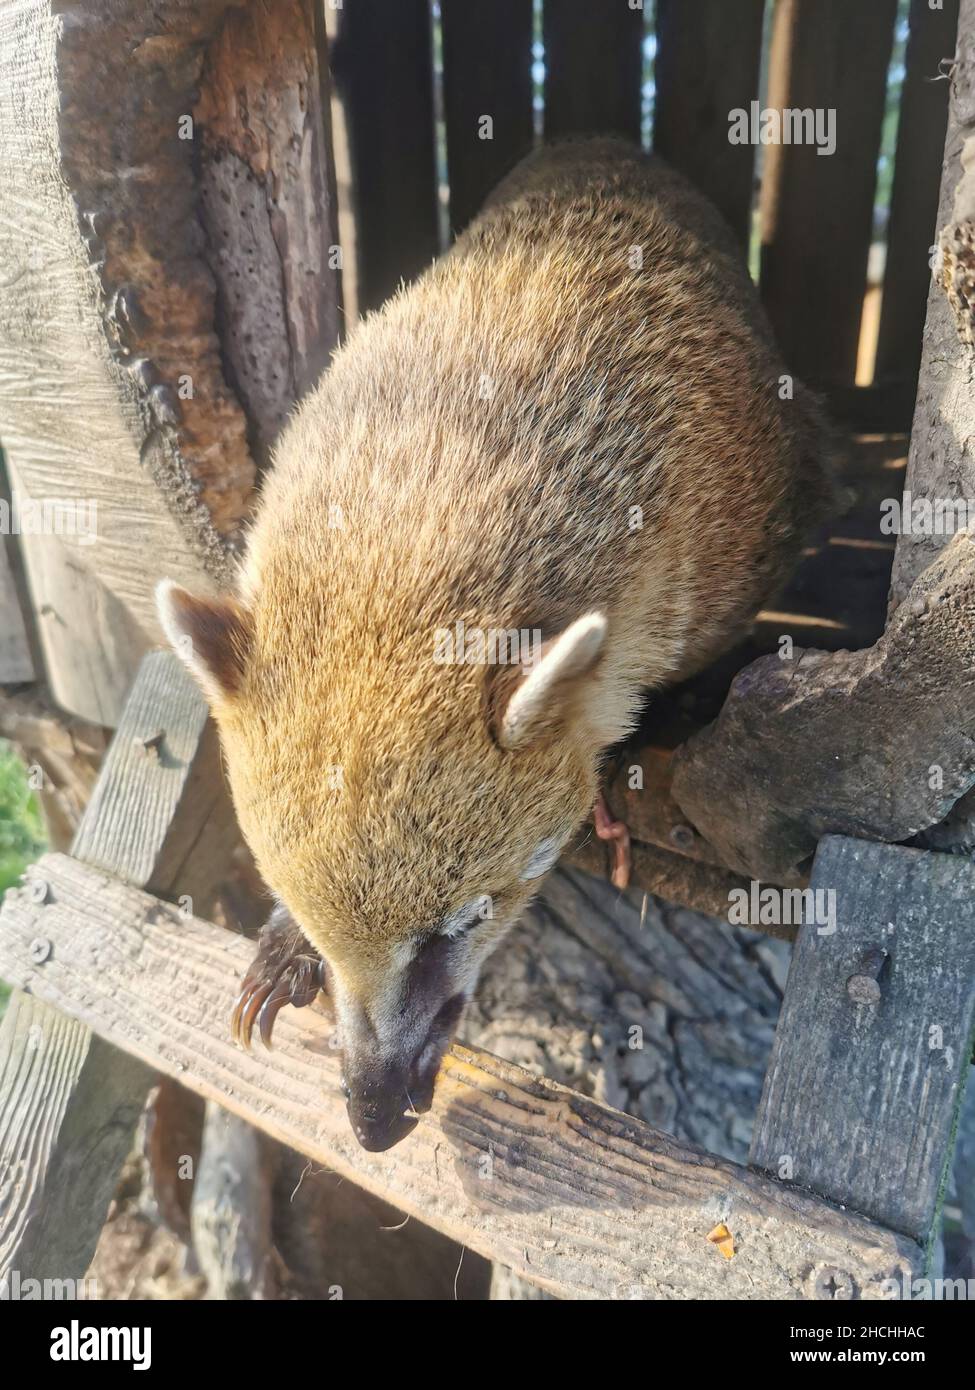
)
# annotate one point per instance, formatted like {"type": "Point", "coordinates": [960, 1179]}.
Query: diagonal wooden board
{"type": "Point", "coordinates": [861, 1098]}
{"type": "Point", "coordinates": [579, 1198]}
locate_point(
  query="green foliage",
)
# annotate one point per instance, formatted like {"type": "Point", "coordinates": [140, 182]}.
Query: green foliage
{"type": "Point", "coordinates": [21, 826]}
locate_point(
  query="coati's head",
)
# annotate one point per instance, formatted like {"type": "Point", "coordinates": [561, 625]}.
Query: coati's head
{"type": "Point", "coordinates": [402, 808]}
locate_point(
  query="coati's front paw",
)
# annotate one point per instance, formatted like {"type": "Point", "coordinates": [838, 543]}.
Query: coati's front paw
{"type": "Point", "coordinates": [286, 970]}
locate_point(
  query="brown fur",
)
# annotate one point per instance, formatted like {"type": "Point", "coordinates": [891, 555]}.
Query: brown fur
{"type": "Point", "coordinates": [480, 444]}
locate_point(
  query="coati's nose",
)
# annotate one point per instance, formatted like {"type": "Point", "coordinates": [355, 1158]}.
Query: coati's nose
{"type": "Point", "coordinates": [379, 1130]}
{"type": "Point", "coordinates": [384, 1097]}
{"type": "Point", "coordinates": [378, 1102]}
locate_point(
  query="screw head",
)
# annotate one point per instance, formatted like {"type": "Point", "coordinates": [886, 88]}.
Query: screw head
{"type": "Point", "coordinates": [863, 989]}
{"type": "Point", "coordinates": [830, 1283]}
{"type": "Point", "coordinates": [40, 950]}
{"type": "Point", "coordinates": [682, 837]}
{"type": "Point", "coordinates": [37, 890]}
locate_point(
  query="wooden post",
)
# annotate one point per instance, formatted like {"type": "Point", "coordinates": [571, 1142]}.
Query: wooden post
{"type": "Point", "coordinates": [136, 228]}
{"type": "Point", "coordinates": [68, 1101]}
{"type": "Point", "coordinates": [874, 1041]}
{"type": "Point", "coordinates": [941, 463]}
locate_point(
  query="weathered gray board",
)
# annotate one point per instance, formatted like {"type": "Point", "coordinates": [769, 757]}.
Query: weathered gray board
{"type": "Point", "coordinates": [577, 1197]}
{"type": "Point", "coordinates": [874, 1041]}
{"type": "Point", "coordinates": [68, 1101]}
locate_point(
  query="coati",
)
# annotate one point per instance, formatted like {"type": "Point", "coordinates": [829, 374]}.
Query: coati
{"type": "Point", "coordinates": [574, 422]}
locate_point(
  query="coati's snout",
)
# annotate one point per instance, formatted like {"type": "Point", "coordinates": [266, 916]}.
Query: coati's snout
{"type": "Point", "coordinates": [386, 1088]}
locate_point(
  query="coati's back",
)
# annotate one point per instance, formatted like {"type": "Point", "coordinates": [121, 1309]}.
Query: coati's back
{"type": "Point", "coordinates": [572, 423]}
{"type": "Point", "coordinates": [578, 407]}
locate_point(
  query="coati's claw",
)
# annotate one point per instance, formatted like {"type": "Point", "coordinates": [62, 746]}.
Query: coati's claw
{"type": "Point", "coordinates": [608, 828]}
{"type": "Point", "coordinates": [286, 970]}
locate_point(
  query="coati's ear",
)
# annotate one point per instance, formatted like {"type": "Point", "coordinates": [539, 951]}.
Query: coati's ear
{"type": "Point", "coordinates": [212, 635]}
{"type": "Point", "coordinates": [543, 693]}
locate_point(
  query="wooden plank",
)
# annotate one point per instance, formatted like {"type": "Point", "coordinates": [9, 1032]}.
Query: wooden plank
{"type": "Point", "coordinates": [90, 643]}
{"type": "Point", "coordinates": [914, 196]}
{"type": "Point", "coordinates": [149, 242]}
{"type": "Point", "coordinates": [102, 273]}
{"type": "Point", "coordinates": [874, 1041]}
{"type": "Point", "coordinates": [593, 68]}
{"type": "Point", "coordinates": [146, 770]}
{"type": "Point", "coordinates": [69, 1104]}
{"type": "Point", "coordinates": [942, 463]}
{"type": "Point", "coordinates": [16, 662]}
{"type": "Point", "coordinates": [707, 65]}
{"type": "Point", "coordinates": [817, 210]}
{"type": "Point", "coordinates": [52, 1068]}
{"type": "Point", "coordinates": [487, 78]}
{"type": "Point", "coordinates": [579, 1198]}
{"type": "Point", "coordinates": [382, 64]}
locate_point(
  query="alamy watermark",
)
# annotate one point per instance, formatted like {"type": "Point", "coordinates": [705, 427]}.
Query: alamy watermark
{"type": "Point", "coordinates": [494, 646]}
{"type": "Point", "coordinates": [926, 516]}
{"type": "Point", "coordinates": [50, 516]}
{"type": "Point", "coordinates": [16, 1289]}
{"type": "Point", "coordinates": [759, 907]}
{"type": "Point", "coordinates": [772, 125]}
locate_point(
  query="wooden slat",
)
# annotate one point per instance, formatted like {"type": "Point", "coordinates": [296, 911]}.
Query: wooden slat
{"type": "Point", "coordinates": [707, 65]}
{"type": "Point", "coordinates": [861, 1098]}
{"type": "Point", "coordinates": [914, 197]}
{"type": "Point", "coordinates": [16, 662]}
{"type": "Point", "coordinates": [69, 1104]}
{"type": "Point", "coordinates": [817, 210]}
{"type": "Point", "coordinates": [487, 72]}
{"type": "Point", "coordinates": [579, 1198]}
{"type": "Point", "coordinates": [382, 62]}
{"type": "Point", "coordinates": [90, 643]}
{"type": "Point", "coordinates": [593, 67]}
{"type": "Point", "coordinates": [67, 1100]}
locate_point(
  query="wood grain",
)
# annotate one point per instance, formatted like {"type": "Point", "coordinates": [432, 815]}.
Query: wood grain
{"type": "Point", "coordinates": [69, 1104]}
{"type": "Point", "coordinates": [269, 206]}
{"type": "Point", "coordinates": [861, 1098]}
{"type": "Point", "coordinates": [580, 1199]}
{"type": "Point", "coordinates": [118, 334]}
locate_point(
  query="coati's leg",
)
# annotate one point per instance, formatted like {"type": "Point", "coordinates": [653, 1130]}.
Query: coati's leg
{"type": "Point", "coordinates": [607, 828]}
{"type": "Point", "coordinates": [286, 970]}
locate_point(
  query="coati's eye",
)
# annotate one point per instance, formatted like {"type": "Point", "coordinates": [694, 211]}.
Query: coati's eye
{"type": "Point", "coordinates": [463, 918]}
{"type": "Point", "coordinates": [543, 857]}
